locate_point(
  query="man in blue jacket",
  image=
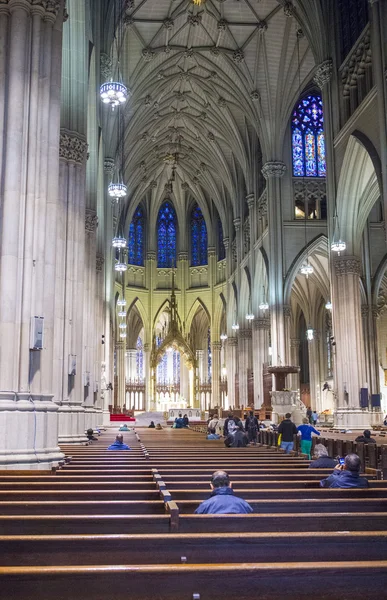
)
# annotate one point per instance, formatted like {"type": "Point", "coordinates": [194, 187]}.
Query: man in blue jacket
{"type": "Point", "coordinates": [346, 475]}
{"type": "Point", "coordinates": [119, 444]}
{"type": "Point", "coordinates": [222, 500]}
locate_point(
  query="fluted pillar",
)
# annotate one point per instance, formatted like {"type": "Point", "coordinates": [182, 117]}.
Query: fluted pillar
{"type": "Point", "coordinates": [273, 171]}
{"type": "Point", "coordinates": [215, 375]}
{"type": "Point", "coordinates": [314, 372]}
{"type": "Point", "coordinates": [30, 61]}
{"type": "Point", "coordinates": [244, 364]}
{"type": "Point", "coordinates": [294, 360]}
{"type": "Point", "coordinates": [232, 368]}
{"type": "Point", "coordinates": [261, 328]}
{"type": "Point", "coordinates": [121, 391]}
{"type": "Point", "coordinates": [350, 364]}
{"type": "Point", "coordinates": [131, 364]}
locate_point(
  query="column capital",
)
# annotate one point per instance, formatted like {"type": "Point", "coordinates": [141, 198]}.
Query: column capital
{"type": "Point", "coordinates": [99, 262]}
{"type": "Point", "coordinates": [146, 347]}
{"type": "Point", "coordinates": [211, 251]}
{"type": "Point", "coordinates": [232, 341]}
{"type": "Point", "coordinates": [182, 256]}
{"type": "Point", "coordinates": [72, 147]}
{"type": "Point", "coordinates": [120, 345]}
{"type": "Point", "coordinates": [237, 224]}
{"type": "Point", "coordinates": [262, 323]}
{"type": "Point", "coordinates": [347, 265]}
{"type": "Point", "coordinates": [91, 221]}
{"type": "Point", "coordinates": [295, 342]}
{"type": "Point", "coordinates": [273, 168]}
{"type": "Point", "coordinates": [365, 309]}
{"type": "Point", "coordinates": [216, 346]}
{"type": "Point", "coordinates": [323, 73]}
{"type": "Point", "coordinates": [109, 166]}
{"type": "Point", "coordinates": [226, 243]}
{"type": "Point", "coordinates": [245, 334]}
{"type": "Point", "coordinates": [151, 255]}
{"type": "Point", "coordinates": [287, 310]}
{"type": "Point", "coordinates": [250, 199]}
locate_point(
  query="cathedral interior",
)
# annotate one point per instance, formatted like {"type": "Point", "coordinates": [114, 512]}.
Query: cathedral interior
{"type": "Point", "coordinates": [192, 213]}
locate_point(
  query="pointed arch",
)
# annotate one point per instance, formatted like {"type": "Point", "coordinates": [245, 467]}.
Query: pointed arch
{"type": "Point", "coordinates": [198, 303]}
{"type": "Point", "coordinates": [318, 246]}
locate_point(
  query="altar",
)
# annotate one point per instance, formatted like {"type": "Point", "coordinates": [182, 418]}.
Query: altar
{"type": "Point", "coordinates": [194, 414]}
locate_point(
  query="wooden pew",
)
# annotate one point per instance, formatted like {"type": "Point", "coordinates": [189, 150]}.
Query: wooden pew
{"type": "Point", "coordinates": [273, 580]}
{"type": "Point", "coordinates": [52, 550]}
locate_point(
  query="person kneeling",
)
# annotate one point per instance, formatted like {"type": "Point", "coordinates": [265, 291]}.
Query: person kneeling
{"type": "Point", "coordinates": [222, 500]}
{"type": "Point", "coordinates": [119, 444]}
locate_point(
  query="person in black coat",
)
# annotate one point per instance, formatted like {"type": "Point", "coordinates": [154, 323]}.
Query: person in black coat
{"type": "Point", "coordinates": [365, 438]}
{"type": "Point", "coordinates": [321, 459]}
{"type": "Point", "coordinates": [252, 427]}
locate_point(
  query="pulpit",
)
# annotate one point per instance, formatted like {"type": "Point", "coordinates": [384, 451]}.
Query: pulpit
{"type": "Point", "coordinates": [284, 400]}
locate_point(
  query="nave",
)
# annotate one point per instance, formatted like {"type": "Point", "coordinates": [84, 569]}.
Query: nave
{"type": "Point", "coordinates": [122, 523]}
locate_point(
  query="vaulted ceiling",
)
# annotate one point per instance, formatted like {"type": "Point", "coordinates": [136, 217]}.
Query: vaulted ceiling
{"type": "Point", "coordinates": [212, 87]}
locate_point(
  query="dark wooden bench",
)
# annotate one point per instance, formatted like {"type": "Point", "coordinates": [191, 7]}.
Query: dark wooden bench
{"type": "Point", "coordinates": [284, 580]}
{"type": "Point", "coordinates": [31, 550]}
{"type": "Point", "coordinates": [68, 507]}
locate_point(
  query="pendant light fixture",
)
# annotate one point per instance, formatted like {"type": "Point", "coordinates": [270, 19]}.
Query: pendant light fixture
{"type": "Point", "coordinates": [115, 93]}
{"type": "Point", "coordinates": [337, 243]}
{"type": "Point", "coordinates": [264, 305]}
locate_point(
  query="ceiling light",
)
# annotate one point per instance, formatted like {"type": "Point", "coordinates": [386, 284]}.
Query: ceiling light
{"type": "Point", "coordinates": [338, 246]}
{"type": "Point", "coordinates": [307, 269]}
{"type": "Point", "coordinates": [117, 190]}
{"type": "Point", "coordinates": [235, 326]}
{"type": "Point", "coordinates": [250, 317]}
{"type": "Point", "coordinates": [123, 335]}
{"type": "Point", "coordinates": [121, 302]}
{"type": "Point", "coordinates": [122, 313]}
{"type": "Point", "coordinates": [310, 333]}
{"type": "Point", "coordinates": [119, 242]}
{"type": "Point", "coordinates": [120, 267]}
{"type": "Point", "coordinates": [223, 336]}
{"type": "Point", "coordinates": [263, 306]}
{"type": "Point", "coordinates": [122, 325]}
{"type": "Point", "coordinates": [113, 93]}
{"type": "Point", "coordinates": [328, 305]}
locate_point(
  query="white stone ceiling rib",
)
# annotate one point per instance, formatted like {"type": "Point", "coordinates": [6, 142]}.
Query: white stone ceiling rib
{"type": "Point", "coordinates": [214, 84]}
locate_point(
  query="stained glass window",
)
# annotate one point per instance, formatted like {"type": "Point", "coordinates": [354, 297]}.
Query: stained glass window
{"type": "Point", "coordinates": [162, 367]}
{"type": "Point", "coordinates": [308, 143]}
{"type": "Point", "coordinates": [166, 236]}
{"type": "Point", "coordinates": [139, 360]}
{"type": "Point", "coordinates": [198, 238]}
{"type": "Point", "coordinates": [136, 239]}
{"type": "Point", "coordinates": [353, 17]}
{"type": "Point", "coordinates": [221, 248]}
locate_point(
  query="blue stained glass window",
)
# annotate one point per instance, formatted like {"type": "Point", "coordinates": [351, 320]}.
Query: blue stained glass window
{"type": "Point", "coordinates": [139, 360]}
{"type": "Point", "coordinates": [166, 236]}
{"type": "Point", "coordinates": [221, 248]}
{"type": "Point", "coordinates": [308, 144]}
{"type": "Point", "coordinates": [198, 238]}
{"type": "Point", "coordinates": [136, 239]}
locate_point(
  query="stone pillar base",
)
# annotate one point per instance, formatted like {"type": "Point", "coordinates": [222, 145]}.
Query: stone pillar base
{"type": "Point", "coordinates": [352, 418]}
{"type": "Point", "coordinates": [105, 418]}
{"type": "Point", "coordinates": [29, 432]}
{"type": "Point", "coordinates": [89, 417]}
{"type": "Point", "coordinates": [376, 418]}
{"type": "Point", "coordinates": [71, 424]}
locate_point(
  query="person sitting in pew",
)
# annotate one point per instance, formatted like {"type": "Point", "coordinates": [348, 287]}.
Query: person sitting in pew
{"type": "Point", "coordinates": [346, 475]}
{"type": "Point", "coordinates": [124, 428]}
{"type": "Point", "coordinates": [119, 444]}
{"type": "Point", "coordinates": [213, 435]}
{"type": "Point", "coordinates": [322, 460]}
{"type": "Point", "coordinates": [365, 438]}
{"type": "Point", "coordinates": [158, 426]}
{"type": "Point", "coordinates": [90, 435]}
{"type": "Point", "coordinates": [222, 500]}
{"type": "Point", "coordinates": [152, 425]}
{"type": "Point", "coordinates": [179, 422]}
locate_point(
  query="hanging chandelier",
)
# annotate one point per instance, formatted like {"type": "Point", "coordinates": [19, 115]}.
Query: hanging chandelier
{"type": "Point", "coordinates": [250, 317]}
{"type": "Point", "coordinates": [119, 242]}
{"type": "Point", "coordinates": [123, 335]}
{"type": "Point", "coordinates": [338, 246]}
{"type": "Point", "coordinates": [117, 190]}
{"type": "Point", "coordinates": [310, 333]}
{"type": "Point", "coordinates": [307, 269]}
{"type": "Point", "coordinates": [120, 267]}
{"type": "Point", "coordinates": [113, 93]}
{"type": "Point", "coordinates": [223, 337]}
{"type": "Point", "coordinates": [263, 306]}
{"type": "Point", "coordinates": [122, 313]}
{"type": "Point", "coordinates": [121, 302]}
{"type": "Point", "coordinates": [328, 305]}
{"type": "Point", "coordinates": [235, 326]}
{"type": "Point", "coordinates": [122, 325]}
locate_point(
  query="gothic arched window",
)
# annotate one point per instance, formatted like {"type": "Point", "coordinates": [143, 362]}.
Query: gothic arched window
{"type": "Point", "coordinates": [136, 239]}
{"type": "Point", "coordinates": [166, 236]}
{"type": "Point", "coordinates": [221, 248]}
{"type": "Point", "coordinates": [308, 143]}
{"type": "Point", "coordinates": [198, 238]}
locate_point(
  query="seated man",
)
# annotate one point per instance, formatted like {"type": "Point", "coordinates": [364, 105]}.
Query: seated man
{"type": "Point", "coordinates": [152, 425]}
{"type": "Point", "coordinates": [365, 438]}
{"type": "Point", "coordinates": [346, 475]}
{"type": "Point", "coordinates": [222, 500]}
{"type": "Point", "coordinates": [119, 444]}
{"type": "Point", "coordinates": [158, 426]}
{"type": "Point", "coordinates": [124, 428]}
{"type": "Point", "coordinates": [179, 422]}
{"type": "Point", "coordinates": [321, 458]}
{"type": "Point", "coordinates": [213, 435]}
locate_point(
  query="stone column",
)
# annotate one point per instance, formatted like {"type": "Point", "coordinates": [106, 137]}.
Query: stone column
{"type": "Point", "coordinates": [350, 373]}
{"type": "Point", "coordinates": [131, 364]}
{"type": "Point", "coordinates": [69, 291]}
{"type": "Point", "coordinates": [287, 319]}
{"type": "Point", "coordinates": [30, 63]}
{"type": "Point", "coordinates": [314, 372]}
{"type": "Point", "coordinates": [273, 172]}
{"type": "Point", "coordinates": [244, 363]}
{"type": "Point", "coordinates": [120, 358]}
{"type": "Point", "coordinates": [295, 359]}
{"type": "Point", "coordinates": [90, 309]}
{"type": "Point", "coordinates": [231, 365]}
{"type": "Point", "coordinates": [261, 328]}
{"type": "Point", "coordinates": [215, 376]}
{"type": "Point", "coordinates": [100, 353]}
{"type": "Point", "coordinates": [147, 374]}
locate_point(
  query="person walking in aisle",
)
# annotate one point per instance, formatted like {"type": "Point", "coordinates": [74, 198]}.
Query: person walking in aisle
{"type": "Point", "coordinates": [306, 430]}
{"type": "Point", "coordinates": [287, 429]}
{"type": "Point", "coordinates": [251, 428]}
